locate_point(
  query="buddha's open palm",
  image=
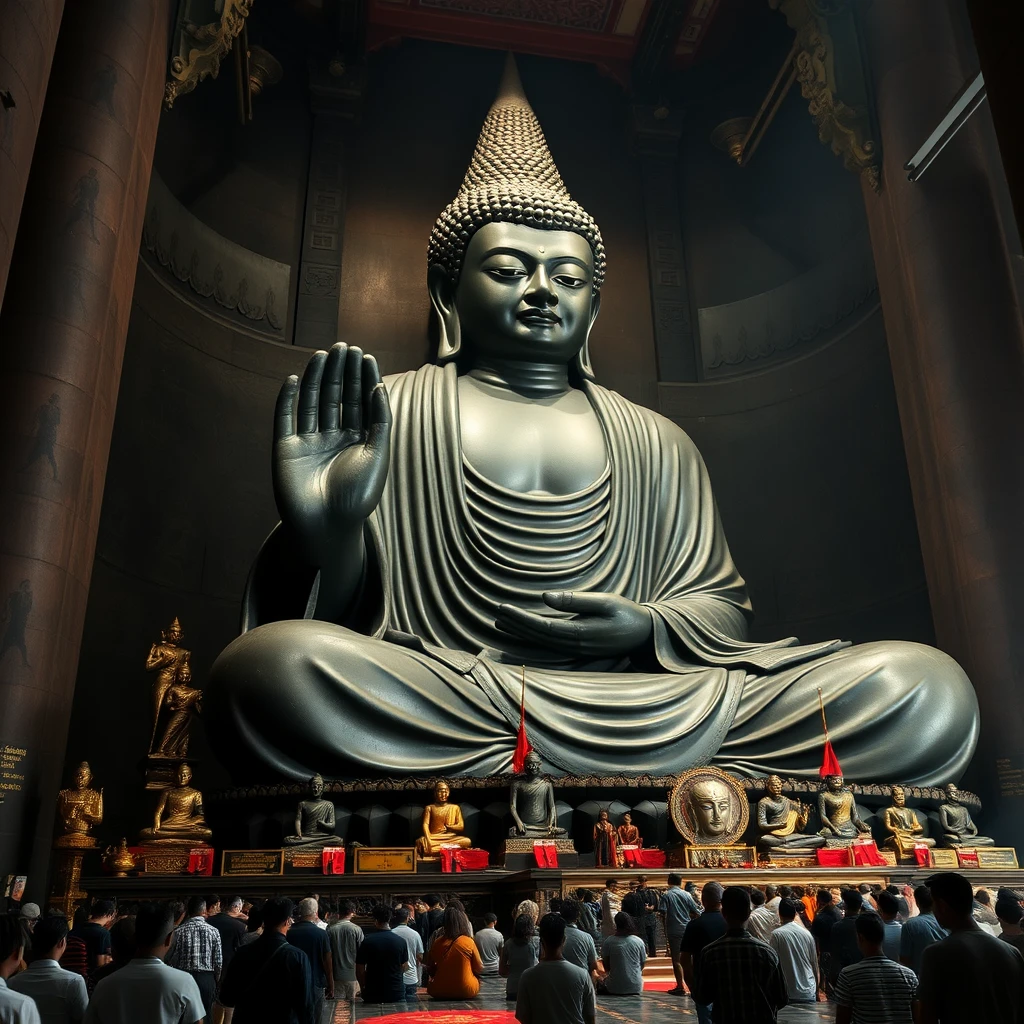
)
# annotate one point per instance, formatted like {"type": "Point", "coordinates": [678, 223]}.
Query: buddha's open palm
{"type": "Point", "coordinates": [332, 437]}
{"type": "Point", "coordinates": [602, 625]}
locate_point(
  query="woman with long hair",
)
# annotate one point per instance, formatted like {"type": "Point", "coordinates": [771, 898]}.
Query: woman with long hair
{"type": "Point", "coordinates": [453, 963]}
{"type": "Point", "coordinates": [519, 954]}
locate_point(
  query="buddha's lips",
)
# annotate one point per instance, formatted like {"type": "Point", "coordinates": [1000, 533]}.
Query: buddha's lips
{"type": "Point", "coordinates": [539, 316]}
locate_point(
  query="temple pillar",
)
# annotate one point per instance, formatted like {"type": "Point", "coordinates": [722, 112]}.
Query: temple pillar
{"type": "Point", "coordinates": [28, 35]}
{"type": "Point", "coordinates": [63, 328]}
{"type": "Point", "coordinates": [957, 350]}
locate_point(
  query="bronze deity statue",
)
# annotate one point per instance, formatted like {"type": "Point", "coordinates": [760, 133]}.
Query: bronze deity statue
{"type": "Point", "coordinates": [79, 807]}
{"type": "Point", "coordinates": [781, 821]}
{"type": "Point", "coordinates": [840, 820]}
{"type": "Point", "coordinates": [605, 842]}
{"type": "Point", "coordinates": [957, 824]}
{"type": "Point", "coordinates": [444, 527]}
{"type": "Point", "coordinates": [906, 831]}
{"type": "Point", "coordinates": [165, 659]}
{"type": "Point", "coordinates": [532, 803]}
{"type": "Point", "coordinates": [181, 703]}
{"type": "Point", "coordinates": [442, 824]}
{"type": "Point", "coordinates": [179, 814]}
{"type": "Point", "coordinates": [314, 819]}
{"type": "Point", "coordinates": [628, 833]}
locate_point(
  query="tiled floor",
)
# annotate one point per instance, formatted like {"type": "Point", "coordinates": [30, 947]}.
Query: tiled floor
{"type": "Point", "coordinates": [650, 1008]}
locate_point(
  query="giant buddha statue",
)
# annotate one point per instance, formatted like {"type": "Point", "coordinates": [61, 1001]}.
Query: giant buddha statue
{"type": "Point", "coordinates": [446, 526]}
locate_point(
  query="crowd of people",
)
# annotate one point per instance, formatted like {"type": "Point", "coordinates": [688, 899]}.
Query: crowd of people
{"type": "Point", "coordinates": [938, 954]}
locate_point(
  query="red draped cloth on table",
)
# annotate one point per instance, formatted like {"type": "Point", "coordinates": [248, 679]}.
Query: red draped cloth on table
{"type": "Point", "coordinates": [333, 860]}
{"type": "Point", "coordinates": [855, 855]}
{"type": "Point", "coordinates": [546, 854]}
{"type": "Point", "coordinates": [455, 859]}
{"type": "Point", "coordinates": [641, 858]}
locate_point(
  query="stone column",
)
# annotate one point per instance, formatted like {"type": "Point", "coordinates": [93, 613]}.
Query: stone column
{"type": "Point", "coordinates": [63, 329]}
{"type": "Point", "coordinates": [28, 35]}
{"type": "Point", "coordinates": [957, 348]}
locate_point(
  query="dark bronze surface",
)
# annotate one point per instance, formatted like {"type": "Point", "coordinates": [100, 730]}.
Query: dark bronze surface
{"type": "Point", "coordinates": [445, 527]}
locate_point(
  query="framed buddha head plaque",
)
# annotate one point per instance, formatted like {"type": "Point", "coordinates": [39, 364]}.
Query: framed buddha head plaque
{"type": "Point", "coordinates": [709, 807]}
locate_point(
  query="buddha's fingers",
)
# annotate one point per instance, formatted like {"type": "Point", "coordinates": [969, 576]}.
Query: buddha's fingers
{"type": "Point", "coordinates": [309, 393]}
{"type": "Point", "coordinates": [330, 387]}
{"type": "Point", "coordinates": [284, 410]}
{"type": "Point", "coordinates": [352, 391]}
{"type": "Point", "coordinates": [561, 634]}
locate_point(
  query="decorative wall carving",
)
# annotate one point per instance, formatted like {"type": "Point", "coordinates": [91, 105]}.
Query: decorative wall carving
{"type": "Point", "coordinates": [832, 79]}
{"type": "Point", "coordinates": [204, 32]}
{"type": "Point", "coordinates": [213, 266]}
{"type": "Point", "coordinates": [779, 323]}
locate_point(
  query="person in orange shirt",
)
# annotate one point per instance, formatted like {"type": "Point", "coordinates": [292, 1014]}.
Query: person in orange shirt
{"type": "Point", "coordinates": [453, 962]}
{"type": "Point", "coordinates": [807, 899]}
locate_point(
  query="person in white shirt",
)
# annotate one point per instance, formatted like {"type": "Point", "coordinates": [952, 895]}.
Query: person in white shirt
{"type": "Point", "coordinates": [762, 921]}
{"type": "Point", "coordinates": [554, 991]}
{"type": "Point", "coordinates": [798, 955]}
{"type": "Point", "coordinates": [15, 1008]}
{"type": "Point", "coordinates": [414, 947]}
{"type": "Point", "coordinates": [146, 989]}
{"type": "Point", "coordinates": [60, 996]}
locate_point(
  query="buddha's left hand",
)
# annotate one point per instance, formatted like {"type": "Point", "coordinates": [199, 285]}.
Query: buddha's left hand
{"type": "Point", "coordinates": [602, 624]}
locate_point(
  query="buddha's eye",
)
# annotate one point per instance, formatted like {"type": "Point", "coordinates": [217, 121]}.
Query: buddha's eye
{"type": "Point", "coordinates": [506, 273]}
{"type": "Point", "coordinates": [569, 281]}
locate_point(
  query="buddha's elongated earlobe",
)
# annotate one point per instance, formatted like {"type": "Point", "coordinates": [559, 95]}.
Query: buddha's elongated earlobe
{"type": "Point", "coordinates": [583, 365]}
{"type": "Point", "coordinates": [442, 299]}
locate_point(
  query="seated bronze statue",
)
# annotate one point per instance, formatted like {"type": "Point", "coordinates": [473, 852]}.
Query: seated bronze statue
{"type": "Point", "coordinates": [957, 824]}
{"type": "Point", "coordinates": [840, 820]}
{"type": "Point", "coordinates": [781, 821]}
{"type": "Point", "coordinates": [532, 803]}
{"type": "Point", "coordinates": [314, 819]}
{"type": "Point", "coordinates": [449, 525]}
{"type": "Point", "coordinates": [901, 821]}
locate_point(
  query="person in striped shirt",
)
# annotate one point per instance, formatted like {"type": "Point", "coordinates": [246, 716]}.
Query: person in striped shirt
{"type": "Point", "coordinates": [875, 990]}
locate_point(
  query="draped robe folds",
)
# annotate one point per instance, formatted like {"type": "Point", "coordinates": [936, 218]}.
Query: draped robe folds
{"type": "Point", "coordinates": [420, 680]}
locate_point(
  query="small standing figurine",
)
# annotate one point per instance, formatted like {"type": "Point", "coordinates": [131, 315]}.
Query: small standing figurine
{"type": "Point", "coordinates": [837, 809]}
{"type": "Point", "coordinates": [442, 824]}
{"type": "Point", "coordinates": [314, 819]}
{"type": "Point", "coordinates": [901, 821]}
{"type": "Point", "coordinates": [957, 824]}
{"type": "Point", "coordinates": [80, 807]}
{"type": "Point", "coordinates": [629, 834]}
{"type": "Point", "coordinates": [605, 853]}
{"type": "Point", "coordinates": [179, 814]}
{"type": "Point", "coordinates": [165, 658]}
{"type": "Point", "coordinates": [532, 802]}
{"type": "Point", "coordinates": [181, 703]}
{"type": "Point", "coordinates": [781, 821]}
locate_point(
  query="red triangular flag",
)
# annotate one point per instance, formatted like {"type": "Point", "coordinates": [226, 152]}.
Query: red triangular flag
{"type": "Point", "coordinates": [829, 761]}
{"type": "Point", "coordinates": [522, 743]}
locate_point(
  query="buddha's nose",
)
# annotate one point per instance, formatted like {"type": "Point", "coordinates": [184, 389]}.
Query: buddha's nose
{"type": "Point", "coordinates": [541, 288]}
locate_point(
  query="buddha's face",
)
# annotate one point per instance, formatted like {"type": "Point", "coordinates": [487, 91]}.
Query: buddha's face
{"type": "Point", "coordinates": [441, 792]}
{"type": "Point", "coordinates": [775, 786]}
{"type": "Point", "coordinates": [834, 783]}
{"type": "Point", "coordinates": [316, 787]}
{"type": "Point", "coordinates": [899, 798]}
{"type": "Point", "coordinates": [184, 775]}
{"type": "Point", "coordinates": [711, 804]}
{"type": "Point", "coordinates": [532, 764]}
{"type": "Point", "coordinates": [526, 294]}
{"type": "Point", "coordinates": [627, 819]}
{"type": "Point", "coordinates": [83, 776]}
{"type": "Point", "coordinates": [952, 794]}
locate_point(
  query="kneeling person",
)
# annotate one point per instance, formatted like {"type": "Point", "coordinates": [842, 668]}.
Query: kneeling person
{"type": "Point", "coordinates": [623, 956]}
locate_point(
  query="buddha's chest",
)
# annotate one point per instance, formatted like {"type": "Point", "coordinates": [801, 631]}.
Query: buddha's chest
{"type": "Point", "coordinates": [554, 446]}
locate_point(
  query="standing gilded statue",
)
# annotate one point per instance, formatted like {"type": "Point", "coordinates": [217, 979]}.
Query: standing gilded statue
{"type": "Point", "coordinates": [605, 842]}
{"type": "Point", "coordinates": [165, 659]}
{"type": "Point", "coordinates": [79, 807]}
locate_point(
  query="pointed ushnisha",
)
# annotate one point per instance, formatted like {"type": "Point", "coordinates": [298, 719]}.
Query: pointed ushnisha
{"type": "Point", "coordinates": [511, 178]}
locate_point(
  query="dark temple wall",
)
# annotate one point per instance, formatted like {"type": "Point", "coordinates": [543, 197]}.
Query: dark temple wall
{"type": "Point", "coordinates": [805, 453]}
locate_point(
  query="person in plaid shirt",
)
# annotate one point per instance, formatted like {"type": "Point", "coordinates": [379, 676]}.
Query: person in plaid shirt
{"type": "Point", "coordinates": [197, 951]}
{"type": "Point", "coordinates": [737, 974]}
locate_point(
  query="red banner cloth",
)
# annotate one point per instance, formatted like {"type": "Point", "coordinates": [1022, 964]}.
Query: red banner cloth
{"type": "Point", "coordinates": [967, 858]}
{"type": "Point", "coordinates": [332, 860]}
{"type": "Point", "coordinates": [546, 854]}
{"type": "Point", "coordinates": [922, 856]}
{"type": "Point", "coordinates": [640, 858]}
{"type": "Point", "coordinates": [454, 859]}
{"type": "Point", "coordinates": [834, 858]}
{"type": "Point", "coordinates": [866, 854]}
{"type": "Point", "coordinates": [200, 860]}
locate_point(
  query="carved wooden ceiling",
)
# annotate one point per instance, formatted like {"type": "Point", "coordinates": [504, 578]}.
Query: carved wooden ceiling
{"type": "Point", "coordinates": [608, 33]}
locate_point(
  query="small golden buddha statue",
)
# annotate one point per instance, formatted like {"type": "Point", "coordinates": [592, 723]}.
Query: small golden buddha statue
{"type": "Point", "coordinates": [442, 824]}
{"type": "Point", "coordinates": [79, 807]}
{"type": "Point", "coordinates": [901, 821]}
{"type": "Point", "coordinates": [180, 704]}
{"type": "Point", "coordinates": [165, 659]}
{"type": "Point", "coordinates": [179, 814]}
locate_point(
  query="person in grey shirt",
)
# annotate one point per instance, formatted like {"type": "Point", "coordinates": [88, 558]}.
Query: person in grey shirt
{"type": "Point", "coordinates": [920, 931]}
{"type": "Point", "coordinates": [579, 947]}
{"type": "Point", "coordinates": [623, 956]}
{"type": "Point", "coordinates": [888, 911]}
{"type": "Point", "coordinates": [518, 955]}
{"type": "Point", "coordinates": [555, 991]}
{"type": "Point", "coordinates": [677, 909]}
{"type": "Point", "coordinates": [345, 938]}
{"type": "Point", "coordinates": [488, 944]}
{"type": "Point", "coordinates": [60, 995]}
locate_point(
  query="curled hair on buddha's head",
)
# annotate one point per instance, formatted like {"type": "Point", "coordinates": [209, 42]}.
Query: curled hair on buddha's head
{"type": "Point", "coordinates": [513, 179]}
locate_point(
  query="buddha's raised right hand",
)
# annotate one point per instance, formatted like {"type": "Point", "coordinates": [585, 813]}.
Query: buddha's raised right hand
{"type": "Point", "coordinates": [332, 435]}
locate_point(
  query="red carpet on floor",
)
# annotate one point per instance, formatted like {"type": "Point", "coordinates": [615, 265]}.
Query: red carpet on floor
{"type": "Point", "coordinates": [658, 986]}
{"type": "Point", "coordinates": [449, 1017]}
